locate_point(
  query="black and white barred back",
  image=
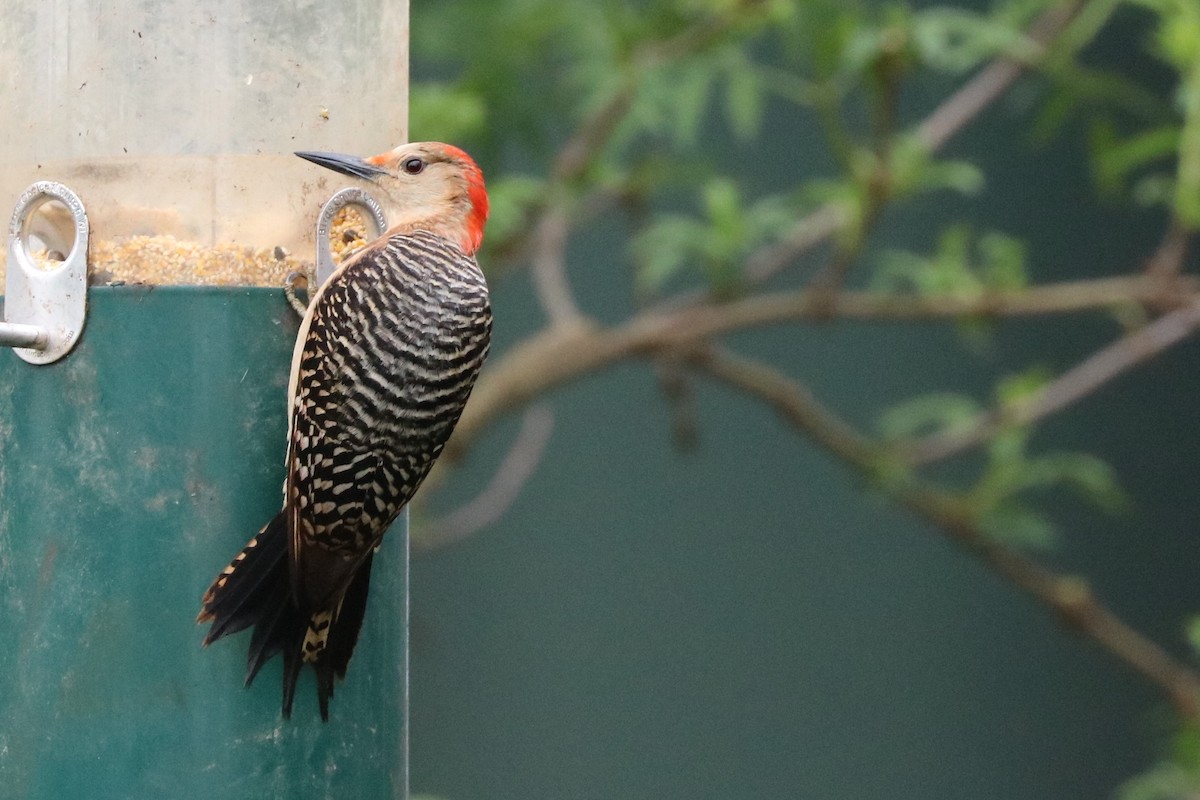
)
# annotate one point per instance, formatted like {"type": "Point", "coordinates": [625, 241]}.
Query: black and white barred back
{"type": "Point", "coordinates": [393, 346]}
{"type": "Point", "coordinates": [386, 358]}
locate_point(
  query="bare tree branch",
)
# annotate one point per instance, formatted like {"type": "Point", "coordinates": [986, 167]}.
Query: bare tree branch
{"type": "Point", "coordinates": [806, 233]}
{"type": "Point", "coordinates": [953, 114]}
{"type": "Point", "coordinates": [549, 268]}
{"type": "Point", "coordinates": [675, 384]}
{"type": "Point", "coordinates": [1073, 385]}
{"type": "Point", "coordinates": [493, 502]}
{"type": "Point", "coordinates": [1168, 260]}
{"type": "Point", "coordinates": [685, 327]}
{"type": "Point", "coordinates": [556, 356]}
{"type": "Point", "coordinates": [792, 401]}
{"type": "Point", "coordinates": [1067, 596]}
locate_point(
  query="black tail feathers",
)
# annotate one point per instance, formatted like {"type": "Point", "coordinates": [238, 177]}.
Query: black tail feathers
{"type": "Point", "coordinates": [252, 587]}
{"type": "Point", "coordinates": [255, 589]}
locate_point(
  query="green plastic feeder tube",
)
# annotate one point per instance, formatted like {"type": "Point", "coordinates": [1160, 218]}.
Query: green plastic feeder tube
{"type": "Point", "coordinates": [130, 473]}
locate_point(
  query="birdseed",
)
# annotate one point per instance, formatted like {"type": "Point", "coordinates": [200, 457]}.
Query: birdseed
{"type": "Point", "coordinates": [164, 260]}
{"type": "Point", "coordinates": [347, 233]}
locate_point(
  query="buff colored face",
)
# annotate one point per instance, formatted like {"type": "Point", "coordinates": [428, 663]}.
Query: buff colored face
{"type": "Point", "coordinates": [425, 185]}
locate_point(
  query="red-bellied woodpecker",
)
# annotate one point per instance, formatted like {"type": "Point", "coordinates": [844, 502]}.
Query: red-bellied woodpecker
{"type": "Point", "coordinates": [385, 359]}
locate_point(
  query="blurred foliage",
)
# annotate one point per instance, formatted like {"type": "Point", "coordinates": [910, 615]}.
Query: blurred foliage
{"type": "Point", "coordinates": [717, 243]}
{"type": "Point", "coordinates": [944, 413]}
{"type": "Point", "coordinates": [1176, 777]}
{"type": "Point", "coordinates": [641, 114]}
{"type": "Point", "coordinates": [1003, 497]}
{"type": "Point", "coordinates": [669, 78]}
{"type": "Point", "coordinates": [961, 265]}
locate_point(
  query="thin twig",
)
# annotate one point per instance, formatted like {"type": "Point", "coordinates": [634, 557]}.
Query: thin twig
{"type": "Point", "coordinates": [1168, 259]}
{"type": "Point", "coordinates": [886, 73]}
{"type": "Point", "coordinates": [1057, 298]}
{"type": "Point", "coordinates": [549, 269]}
{"type": "Point", "coordinates": [1068, 597]}
{"type": "Point", "coordinates": [960, 108]}
{"type": "Point", "coordinates": [1076, 383]}
{"type": "Point", "coordinates": [791, 400]}
{"type": "Point", "coordinates": [576, 154]}
{"type": "Point", "coordinates": [515, 470]}
{"type": "Point", "coordinates": [674, 382]}
{"type": "Point", "coordinates": [806, 233]}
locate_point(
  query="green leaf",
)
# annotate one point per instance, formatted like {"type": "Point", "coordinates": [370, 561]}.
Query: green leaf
{"type": "Point", "coordinates": [662, 249]}
{"type": "Point", "coordinates": [1177, 778]}
{"type": "Point", "coordinates": [958, 176]}
{"type": "Point", "coordinates": [947, 272]}
{"type": "Point", "coordinates": [1055, 112]}
{"type": "Point", "coordinates": [1006, 460]}
{"type": "Point", "coordinates": [819, 191]}
{"type": "Point", "coordinates": [1094, 480]}
{"type": "Point", "coordinates": [1185, 746]}
{"type": "Point", "coordinates": [875, 43]}
{"type": "Point", "coordinates": [744, 101]}
{"type": "Point", "coordinates": [1116, 160]}
{"type": "Point", "coordinates": [955, 40]}
{"type": "Point", "coordinates": [907, 161]}
{"type": "Point", "coordinates": [723, 204]}
{"type": "Point", "coordinates": [900, 271]}
{"type": "Point", "coordinates": [833, 32]}
{"type": "Point", "coordinates": [726, 237]}
{"type": "Point", "coordinates": [1154, 190]}
{"type": "Point", "coordinates": [1166, 781]}
{"type": "Point", "coordinates": [715, 245]}
{"type": "Point", "coordinates": [1016, 524]}
{"type": "Point", "coordinates": [687, 101]}
{"type": "Point", "coordinates": [960, 266]}
{"type": "Point", "coordinates": [769, 217]}
{"type": "Point", "coordinates": [1178, 37]}
{"type": "Point", "coordinates": [915, 171]}
{"type": "Point", "coordinates": [1193, 633]}
{"type": "Point", "coordinates": [1187, 189]}
{"type": "Point", "coordinates": [1003, 261]}
{"type": "Point", "coordinates": [1013, 390]}
{"type": "Point", "coordinates": [939, 413]}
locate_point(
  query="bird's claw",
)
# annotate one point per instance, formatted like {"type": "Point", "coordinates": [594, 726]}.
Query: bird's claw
{"type": "Point", "coordinates": [289, 289]}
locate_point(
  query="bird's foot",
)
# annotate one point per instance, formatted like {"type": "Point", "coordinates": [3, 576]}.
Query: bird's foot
{"type": "Point", "coordinates": [293, 280]}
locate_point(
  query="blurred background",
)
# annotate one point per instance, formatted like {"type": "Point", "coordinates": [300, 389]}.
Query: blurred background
{"type": "Point", "coordinates": [690, 598]}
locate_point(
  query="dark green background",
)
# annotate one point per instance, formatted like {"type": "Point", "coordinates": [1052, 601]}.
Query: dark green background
{"type": "Point", "coordinates": [744, 621]}
{"type": "Point", "coordinates": [749, 620]}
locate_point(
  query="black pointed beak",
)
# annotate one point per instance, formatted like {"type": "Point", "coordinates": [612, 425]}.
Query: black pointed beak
{"type": "Point", "coordinates": [346, 165]}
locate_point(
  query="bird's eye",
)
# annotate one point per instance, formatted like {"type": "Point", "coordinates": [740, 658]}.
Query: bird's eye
{"type": "Point", "coordinates": [413, 166]}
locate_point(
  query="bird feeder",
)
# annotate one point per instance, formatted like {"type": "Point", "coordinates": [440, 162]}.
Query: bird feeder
{"type": "Point", "coordinates": [156, 211]}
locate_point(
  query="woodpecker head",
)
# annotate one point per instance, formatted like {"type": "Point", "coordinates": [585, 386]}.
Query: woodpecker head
{"type": "Point", "coordinates": [425, 185]}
